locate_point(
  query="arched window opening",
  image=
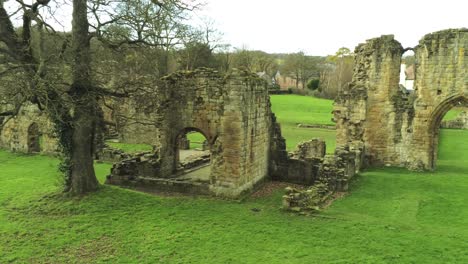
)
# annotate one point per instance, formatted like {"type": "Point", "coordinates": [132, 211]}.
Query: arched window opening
{"type": "Point", "coordinates": [407, 70]}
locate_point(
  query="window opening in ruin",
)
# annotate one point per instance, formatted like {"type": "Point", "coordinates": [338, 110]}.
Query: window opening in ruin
{"type": "Point", "coordinates": [452, 122]}
{"type": "Point", "coordinates": [34, 138]}
{"type": "Point", "coordinates": [407, 70]}
{"type": "Point", "coordinates": [194, 155]}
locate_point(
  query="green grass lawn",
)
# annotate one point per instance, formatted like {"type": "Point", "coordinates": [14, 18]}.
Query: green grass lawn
{"type": "Point", "coordinates": [453, 113]}
{"type": "Point", "coordinates": [196, 140]}
{"type": "Point", "coordinates": [293, 109]}
{"type": "Point", "coordinates": [390, 215]}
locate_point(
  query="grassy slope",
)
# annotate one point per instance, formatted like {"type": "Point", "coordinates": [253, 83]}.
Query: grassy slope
{"type": "Point", "coordinates": [293, 109]}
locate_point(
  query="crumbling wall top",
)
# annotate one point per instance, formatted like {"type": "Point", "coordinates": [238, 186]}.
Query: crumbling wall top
{"type": "Point", "coordinates": [388, 42]}
{"type": "Point", "coordinates": [234, 74]}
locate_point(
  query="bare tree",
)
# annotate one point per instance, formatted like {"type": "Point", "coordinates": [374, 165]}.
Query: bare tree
{"type": "Point", "coordinates": [200, 44]}
{"type": "Point", "coordinates": [336, 73]}
{"type": "Point", "coordinates": [70, 97]}
{"type": "Point", "coordinates": [301, 67]}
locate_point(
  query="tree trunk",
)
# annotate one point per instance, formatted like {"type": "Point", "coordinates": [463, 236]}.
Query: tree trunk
{"type": "Point", "coordinates": [297, 80]}
{"type": "Point", "coordinates": [83, 178]}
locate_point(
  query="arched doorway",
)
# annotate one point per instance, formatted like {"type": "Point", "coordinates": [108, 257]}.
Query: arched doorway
{"type": "Point", "coordinates": [193, 154]}
{"type": "Point", "coordinates": [34, 138]}
{"type": "Point", "coordinates": [436, 119]}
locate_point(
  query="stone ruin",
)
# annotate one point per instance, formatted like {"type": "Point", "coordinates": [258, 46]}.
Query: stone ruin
{"type": "Point", "coordinates": [232, 112]}
{"type": "Point", "coordinates": [395, 127]}
{"type": "Point", "coordinates": [377, 123]}
{"type": "Point", "coordinates": [29, 132]}
{"type": "Point", "coordinates": [244, 140]}
{"type": "Point", "coordinates": [244, 144]}
{"type": "Point", "coordinates": [309, 164]}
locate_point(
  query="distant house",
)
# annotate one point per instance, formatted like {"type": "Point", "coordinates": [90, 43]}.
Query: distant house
{"type": "Point", "coordinates": [407, 76]}
{"type": "Point", "coordinates": [286, 82]}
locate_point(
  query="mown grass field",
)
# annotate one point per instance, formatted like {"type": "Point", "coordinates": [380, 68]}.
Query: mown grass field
{"type": "Point", "coordinates": [453, 113]}
{"type": "Point", "coordinates": [292, 110]}
{"type": "Point", "coordinates": [390, 215]}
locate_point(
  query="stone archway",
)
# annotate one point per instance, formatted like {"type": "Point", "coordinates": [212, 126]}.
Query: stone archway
{"type": "Point", "coordinates": [399, 127]}
{"type": "Point", "coordinates": [434, 125]}
{"type": "Point", "coordinates": [34, 138]}
{"type": "Point", "coordinates": [181, 143]}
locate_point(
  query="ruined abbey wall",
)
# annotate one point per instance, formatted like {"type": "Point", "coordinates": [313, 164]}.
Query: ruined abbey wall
{"type": "Point", "coordinates": [398, 127]}
{"type": "Point", "coordinates": [29, 131]}
{"type": "Point", "coordinates": [134, 123]}
{"type": "Point", "coordinates": [233, 113]}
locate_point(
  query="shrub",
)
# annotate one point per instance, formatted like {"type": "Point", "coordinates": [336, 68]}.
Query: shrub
{"type": "Point", "coordinates": [313, 84]}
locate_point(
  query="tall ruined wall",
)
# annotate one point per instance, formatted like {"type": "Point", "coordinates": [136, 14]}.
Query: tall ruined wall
{"type": "Point", "coordinates": [373, 109]}
{"type": "Point", "coordinates": [135, 120]}
{"type": "Point", "coordinates": [398, 127]}
{"type": "Point", "coordinates": [232, 112]}
{"type": "Point", "coordinates": [15, 134]}
{"type": "Point", "coordinates": [441, 83]}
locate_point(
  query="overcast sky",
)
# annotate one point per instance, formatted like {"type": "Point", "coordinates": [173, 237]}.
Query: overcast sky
{"type": "Point", "coordinates": [322, 27]}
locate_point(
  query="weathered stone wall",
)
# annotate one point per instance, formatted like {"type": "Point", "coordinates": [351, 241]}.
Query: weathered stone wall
{"type": "Point", "coordinates": [309, 164]}
{"type": "Point", "coordinates": [15, 133]}
{"type": "Point", "coordinates": [440, 84]}
{"type": "Point", "coordinates": [394, 126]}
{"type": "Point", "coordinates": [232, 112]}
{"type": "Point", "coordinates": [135, 121]}
{"type": "Point", "coordinates": [279, 160]}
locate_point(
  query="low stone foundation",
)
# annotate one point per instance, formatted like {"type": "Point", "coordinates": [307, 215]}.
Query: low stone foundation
{"type": "Point", "coordinates": [329, 127]}
{"type": "Point", "coordinates": [140, 165]}
{"type": "Point", "coordinates": [308, 200]}
{"type": "Point", "coordinates": [142, 172]}
{"type": "Point", "coordinates": [196, 160]}
{"type": "Point", "coordinates": [110, 154]}
{"type": "Point", "coordinates": [309, 165]}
